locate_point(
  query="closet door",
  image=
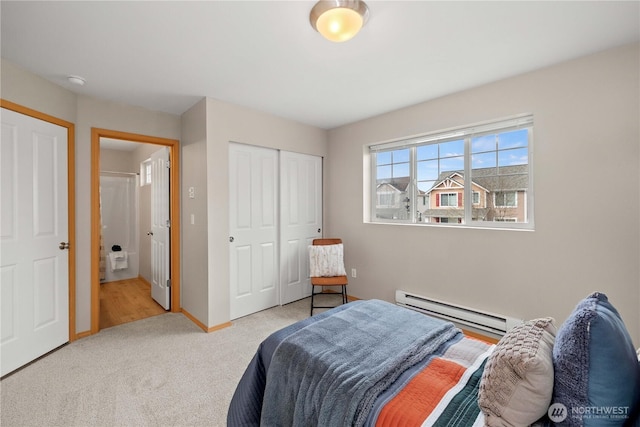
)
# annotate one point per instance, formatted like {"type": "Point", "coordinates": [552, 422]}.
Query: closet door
{"type": "Point", "coordinates": [300, 219]}
{"type": "Point", "coordinates": [253, 216]}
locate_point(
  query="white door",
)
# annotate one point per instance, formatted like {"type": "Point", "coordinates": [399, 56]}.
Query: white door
{"type": "Point", "coordinates": [253, 217]}
{"type": "Point", "coordinates": [34, 262]}
{"type": "Point", "coordinates": [160, 228]}
{"type": "Point", "coordinates": [300, 221]}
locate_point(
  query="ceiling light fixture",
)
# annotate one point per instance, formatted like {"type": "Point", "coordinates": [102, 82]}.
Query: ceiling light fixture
{"type": "Point", "coordinates": [339, 20]}
{"type": "Point", "coordinates": [76, 80]}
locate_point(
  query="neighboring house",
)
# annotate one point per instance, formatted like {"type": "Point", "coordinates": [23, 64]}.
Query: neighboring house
{"type": "Point", "coordinates": [393, 197]}
{"type": "Point", "coordinates": [497, 195]}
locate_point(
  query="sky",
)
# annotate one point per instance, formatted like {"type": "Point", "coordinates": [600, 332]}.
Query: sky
{"type": "Point", "coordinates": [496, 149]}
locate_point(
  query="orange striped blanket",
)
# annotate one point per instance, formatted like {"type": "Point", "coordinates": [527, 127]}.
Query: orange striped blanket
{"type": "Point", "coordinates": [442, 391]}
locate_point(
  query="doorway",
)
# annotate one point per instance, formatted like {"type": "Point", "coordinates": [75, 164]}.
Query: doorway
{"type": "Point", "coordinates": [125, 301]}
{"type": "Point", "coordinates": [97, 135]}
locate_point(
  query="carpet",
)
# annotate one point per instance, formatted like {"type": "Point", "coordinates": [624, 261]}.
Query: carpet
{"type": "Point", "coordinates": [160, 371]}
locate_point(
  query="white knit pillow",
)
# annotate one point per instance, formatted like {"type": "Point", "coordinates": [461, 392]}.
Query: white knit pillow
{"type": "Point", "coordinates": [517, 382]}
{"type": "Point", "coordinates": [326, 260]}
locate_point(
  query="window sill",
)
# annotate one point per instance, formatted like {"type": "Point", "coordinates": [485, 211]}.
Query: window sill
{"type": "Point", "coordinates": [510, 227]}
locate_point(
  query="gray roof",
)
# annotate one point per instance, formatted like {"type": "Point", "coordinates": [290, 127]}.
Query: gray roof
{"type": "Point", "coordinates": [494, 179]}
{"type": "Point", "coordinates": [399, 184]}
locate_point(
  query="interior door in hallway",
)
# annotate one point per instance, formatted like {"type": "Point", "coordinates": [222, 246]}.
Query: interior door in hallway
{"type": "Point", "coordinates": [253, 225]}
{"type": "Point", "coordinates": [300, 221]}
{"type": "Point", "coordinates": [160, 228]}
{"type": "Point", "coordinates": [34, 256]}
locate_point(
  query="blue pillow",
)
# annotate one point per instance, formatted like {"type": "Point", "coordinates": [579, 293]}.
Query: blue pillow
{"type": "Point", "coordinates": [597, 375]}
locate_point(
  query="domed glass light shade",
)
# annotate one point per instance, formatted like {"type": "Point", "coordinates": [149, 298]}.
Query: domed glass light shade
{"type": "Point", "coordinates": [339, 20]}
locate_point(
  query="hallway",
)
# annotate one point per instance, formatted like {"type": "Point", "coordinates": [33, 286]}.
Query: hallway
{"type": "Point", "coordinates": [125, 301]}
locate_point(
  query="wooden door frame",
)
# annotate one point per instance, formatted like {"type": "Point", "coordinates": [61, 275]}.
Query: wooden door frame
{"type": "Point", "coordinates": [71, 190]}
{"type": "Point", "coordinates": [174, 211]}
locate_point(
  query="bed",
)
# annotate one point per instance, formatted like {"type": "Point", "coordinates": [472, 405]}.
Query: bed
{"type": "Point", "coordinates": [374, 363]}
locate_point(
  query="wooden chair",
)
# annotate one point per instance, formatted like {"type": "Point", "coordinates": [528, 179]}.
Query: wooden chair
{"type": "Point", "coordinates": [328, 281]}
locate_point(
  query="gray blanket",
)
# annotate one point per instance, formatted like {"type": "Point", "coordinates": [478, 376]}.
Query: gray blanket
{"type": "Point", "coordinates": [330, 372]}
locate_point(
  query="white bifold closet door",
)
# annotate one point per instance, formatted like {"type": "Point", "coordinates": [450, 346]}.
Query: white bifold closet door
{"type": "Point", "coordinates": [275, 210]}
{"type": "Point", "coordinates": [300, 219]}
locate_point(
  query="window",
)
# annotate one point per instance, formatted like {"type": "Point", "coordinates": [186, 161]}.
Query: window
{"type": "Point", "coordinates": [504, 199]}
{"type": "Point", "coordinates": [386, 199]}
{"type": "Point", "coordinates": [477, 175]}
{"type": "Point", "coordinates": [449, 199]}
{"type": "Point", "coordinates": [145, 172]}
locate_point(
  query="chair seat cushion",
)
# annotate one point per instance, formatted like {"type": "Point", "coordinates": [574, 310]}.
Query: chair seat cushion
{"type": "Point", "coordinates": [329, 281]}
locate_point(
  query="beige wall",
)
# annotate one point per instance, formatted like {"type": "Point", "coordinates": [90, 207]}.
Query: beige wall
{"type": "Point", "coordinates": [205, 290]}
{"type": "Point", "coordinates": [194, 289]}
{"type": "Point", "coordinates": [116, 161]}
{"type": "Point", "coordinates": [24, 88]}
{"type": "Point", "coordinates": [29, 90]}
{"type": "Point", "coordinates": [102, 114]}
{"type": "Point", "coordinates": [140, 154]}
{"type": "Point", "coordinates": [586, 127]}
{"type": "Point", "coordinates": [229, 123]}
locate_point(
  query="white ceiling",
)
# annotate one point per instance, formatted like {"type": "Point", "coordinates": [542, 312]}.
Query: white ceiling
{"type": "Point", "coordinates": [166, 56]}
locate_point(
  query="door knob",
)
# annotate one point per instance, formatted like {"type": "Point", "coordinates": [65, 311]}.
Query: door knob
{"type": "Point", "coordinates": [231, 239]}
{"type": "Point", "coordinates": [149, 233]}
{"type": "Point", "coordinates": [63, 246]}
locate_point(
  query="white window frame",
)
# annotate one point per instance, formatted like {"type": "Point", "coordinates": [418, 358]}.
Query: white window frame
{"type": "Point", "coordinates": [449, 195]}
{"type": "Point", "coordinates": [522, 121]}
{"type": "Point", "coordinates": [473, 197]}
{"type": "Point", "coordinates": [515, 199]}
{"type": "Point", "coordinates": [391, 195]}
{"type": "Point", "coordinates": [145, 172]}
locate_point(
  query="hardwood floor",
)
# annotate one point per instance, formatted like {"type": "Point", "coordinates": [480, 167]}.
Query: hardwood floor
{"type": "Point", "coordinates": [126, 301]}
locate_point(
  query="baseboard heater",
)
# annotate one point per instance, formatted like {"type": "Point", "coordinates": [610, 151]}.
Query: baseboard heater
{"type": "Point", "coordinates": [482, 321]}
